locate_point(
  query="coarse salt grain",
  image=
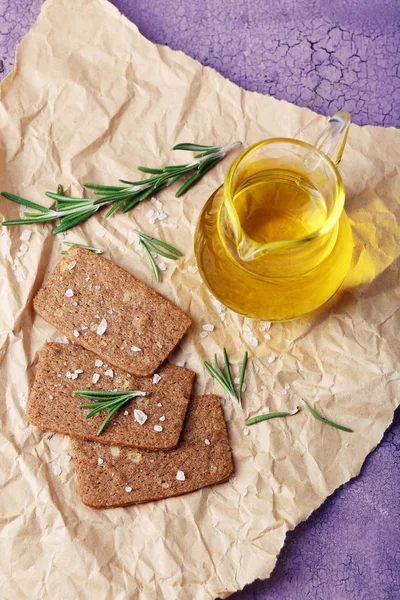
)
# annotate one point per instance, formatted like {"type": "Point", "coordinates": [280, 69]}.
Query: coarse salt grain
{"type": "Point", "coordinates": [78, 371]}
{"type": "Point", "coordinates": [162, 266]}
{"type": "Point", "coordinates": [243, 493]}
{"type": "Point", "coordinates": [158, 428]}
{"type": "Point", "coordinates": [71, 265]}
{"type": "Point", "coordinates": [126, 413]}
{"type": "Point", "coordinates": [128, 488]}
{"type": "Point", "coordinates": [84, 327]}
{"type": "Point", "coordinates": [25, 235]}
{"type": "Point", "coordinates": [136, 349]}
{"type": "Point", "coordinates": [101, 232]}
{"type": "Point", "coordinates": [102, 327]}
{"type": "Point", "coordinates": [180, 363]}
{"type": "Point", "coordinates": [283, 392]}
{"type": "Point", "coordinates": [98, 362]}
{"type": "Point", "coordinates": [140, 416]}
{"type": "Point", "coordinates": [265, 326]}
{"type": "Point", "coordinates": [180, 476]}
{"type": "Point", "coordinates": [68, 374]}
{"type": "Point", "coordinates": [74, 376]}
{"type": "Point", "coordinates": [68, 457]}
{"type": "Point", "coordinates": [74, 304]}
{"type": "Point", "coordinates": [207, 442]}
{"type": "Point", "coordinates": [263, 387]}
{"type": "Point", "coordinates": [162, 418]}
{"type": "Point", "coordinates": [159, 403]}
{"type": "Point", "coordinates": [100, 461]}
{"type": "Point", "coordinates": [57, 470]}
{"type": "Point", "coordinates": [156, 378]}
{"type": "Point", "coordinates": [76, 333]}
{"type": "Point", "coordinates": [208, 327]}
{"type": "Point", "coordinates": [23, 250]}
{"type": "Point", "coordinates": [69, 293]}
{"type": "Point", "coordinates": [109, 373]}
{"type": "Point", "coordinates": [246, 431]}
{"type": "Point", "coordinates": [51, 397]}
{"type": "Point", "coordinates": [203, 334]}
{"type": "Point", "coordinates": [254, 341]}
{"type": "Point", "coordinates": [271, 359]}
{"type": "Point", "coordinates": [95, 377]}
{"type": "Point", "coordinates": [287, 386]}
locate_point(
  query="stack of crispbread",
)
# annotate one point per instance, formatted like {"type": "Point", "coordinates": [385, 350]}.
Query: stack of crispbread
{"type": "Point", "coordinates": [122, 332]}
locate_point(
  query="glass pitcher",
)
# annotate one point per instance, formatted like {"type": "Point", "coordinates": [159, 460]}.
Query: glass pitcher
{"type": "Point", "coordinates": [273, 242]}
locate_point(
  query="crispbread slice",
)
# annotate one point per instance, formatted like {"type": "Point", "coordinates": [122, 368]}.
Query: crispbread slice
{"type": "Point", "coordinates": [85, 288]}
{"type": "Point", "coordinates": [52, 405]}
{"type": "Point", "coordinates": [124, 476]}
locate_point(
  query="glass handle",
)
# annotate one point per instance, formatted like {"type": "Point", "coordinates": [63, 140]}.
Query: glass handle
{"type": "Point", "coordinates": [334, 136]}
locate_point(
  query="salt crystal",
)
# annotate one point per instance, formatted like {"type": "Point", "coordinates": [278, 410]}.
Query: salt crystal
{"type": "Point", "coordinates": [61, 235]}
{"type": "Point", "coordinates": [267, 337]}
{"type": "Point", "coordinates": [223, 317]}
{"type": "Point", "coordinates": [236, 380]}
{"type": "Point", "coordinates": [263, 387]}
{"type": "Point", "coordinates": [74, 304]}
{"type": "Point", "coordinates": [180, 476]}
{"type": "Point", "coordinates": [254, 342]}
{"type": "Point", "coordinates": [158, 204]}
{"type": "Point", "coordinates": [95, 377]}
{"type": "Point", "coordinates": [101, 232]}
{"type": "Point", "coordinates": [126, 413]}
{"type": "Point", "coordinates": [69, 293]}
{"type": "Point", "coordinates": [169, 225]}
{"type": "Point", "coordinates": [76, 333]}
{"type": "Point", "coordinates": [140, 416]}
{"type": "Point", "coordinates": [98, 362]}
{"type": "Point", "coordinates": [19, 276]}
{"type": "Point", "coordinates": [244, 387]}
{"type": "Point", "coordinates": [158, 428]}
{"type": "Point", "coordinates": [71, 265]}
{"type": "Point", "coordinates": [162, 418]}
{"type": "Point", "coordinates": [68, 374]}
{"type": "Point", "coordinates": [74, 376]}
{"type": "Point", "coordinates": [57, 470]}
{"type": "Point", "coordinates": [283, 392]}
{"type": "Point", "coordinates": [162, 266]}
{"type": "Point", "coordinates": [162, 216]}
{"type": "Point", "coordinates": [83, 327]}
{"type": "Point", "coordinates": [150, 213]}
{"type": "Point", "coordinates": [271, 359]}
{"type": "Point", "coordinates": [192, 269]}
{"type": "Point", "coordinates": [109, 373]}
{"type": "Point", "coordinates": [132, 237]}
{"type": "Point", "coordinates": [78, 371]}
{"type": "Point", "coordinates": [51, 397]}
{"type": "Point", "coordinates": [204, 334]}
{"type": "Point", "coordinates": [232, 479]}
{"type": "Point", "coordinates": [23, 250]}
{"type": "Point", "coordinates": [207, 442]}
{"type": "Point", "coordinates": [156, 378]}
{"type": "Point", "coordinates": [246, 431]}
{"type": "Point", "coordinates": [14, 267]}
{"type": "Point", "coordinates": [152, 221]}
{"type": "Point", "coordinates": [102, 327]}
{"type": "Point", "coordinates": [208, 327]}
{"type": "Point", "coordinates": [159, 403]}
{"type": "Point", "coordinates": [180, 363]}
{"type": "Point", "coordinates": [243, 493]}
{"type": "Point", "coordinates": [100, 461]}
{"type": "Point", "coordinates": [68, 457]}
{"type": "Point", "coordinates": [128, 488]}
{"type": "Point", "coordinates": [154, 254]}
{"type": "Point", "coordinates": [25, 235]}
{"type": "Point", "coordinates": [287, 386]}
{"type": "Point", "coordinates": [110, 312]}
{"type": "Point", "coordinates": [265, 326]}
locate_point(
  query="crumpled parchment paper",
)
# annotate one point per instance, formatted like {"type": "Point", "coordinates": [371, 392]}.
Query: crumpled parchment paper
{"type": "Point", "coordinates": [89, 100]}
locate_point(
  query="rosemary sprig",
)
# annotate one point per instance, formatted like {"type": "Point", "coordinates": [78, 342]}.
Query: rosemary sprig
{"type": "Point", "coordinates": [321, 418]}
{"type": "Point", "coordinates": [109, 401]}
{"type": "Point", "coordinates": [226, 380]}
{"type": "Point", "coordinates": [72, 211]}
{"type": "Point", "coordinates": [267, 416]}
{"type": "Point", "coordinates": [92, 248]}
{"type": "Point", "coordinates": [152, 244]}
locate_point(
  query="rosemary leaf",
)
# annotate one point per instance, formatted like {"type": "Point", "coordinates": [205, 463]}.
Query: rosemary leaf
{"type": "Point", "coordinates": [195, 147]}
{"type": "Point", "coordinates": [242, 373]}
{"type": "Point", "coordinates": [268, 416]}
{"type": "Point", "coordinates": [321, 418]}
{"type": "Point", "coordinates": [226, 380]}
{"type": "Point", "coordinates": [95, 250]}
{"type": "Point", "coordinates": [28, 203]}
{"type": "Point", "coordinates": [152, 261]}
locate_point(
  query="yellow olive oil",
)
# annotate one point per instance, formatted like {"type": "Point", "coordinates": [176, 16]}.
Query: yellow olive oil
{"type": "Point", "coordinates": [273, 206]}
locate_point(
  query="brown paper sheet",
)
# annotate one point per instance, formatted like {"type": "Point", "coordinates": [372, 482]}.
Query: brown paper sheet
{"type": "Point", "coordinates": [90, 99]}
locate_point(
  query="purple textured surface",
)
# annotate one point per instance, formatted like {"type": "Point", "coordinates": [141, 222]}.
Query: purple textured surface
{"type": "Point", "coordinates": [324, 55]}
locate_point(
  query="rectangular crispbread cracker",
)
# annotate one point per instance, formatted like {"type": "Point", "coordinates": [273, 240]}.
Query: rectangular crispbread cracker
{"type": "Point", "coordinates": [53, 407]}
{"type": "Point", "coordinates": [86, 291]}
{"type": "Point", "coordinates": [126, 476]}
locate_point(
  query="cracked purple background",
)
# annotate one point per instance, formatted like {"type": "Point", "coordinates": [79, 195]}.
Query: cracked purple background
{"type": "Point", "coordinates": [325, 56]}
